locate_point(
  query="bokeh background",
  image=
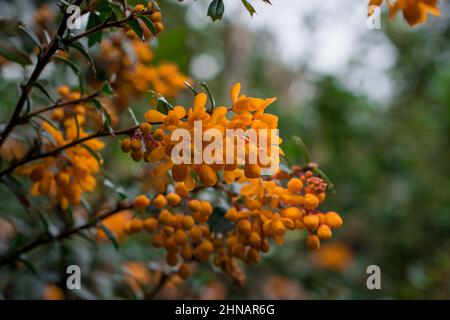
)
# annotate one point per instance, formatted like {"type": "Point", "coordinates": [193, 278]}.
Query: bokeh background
{"type": "Point", "coordinates": [373, 106]}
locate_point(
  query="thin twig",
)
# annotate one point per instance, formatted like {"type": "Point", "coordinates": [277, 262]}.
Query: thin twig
{"type": "Point", "coordinates": [56, 151]}
{"type": "Point", "coordinates": [46, 238]}
{"type": "Point", "coordinates": [59, 105]}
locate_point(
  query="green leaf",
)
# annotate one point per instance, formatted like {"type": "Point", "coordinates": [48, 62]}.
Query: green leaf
{"type": "Point", "coordinates": [194, 92]}
{"type": "Point", "coordinates": [134, 25]}
{"type": "Point", "coordinates": [16, 188]}
{"type": "Point", "coordinates": [117, 10]}
{"type": "Point", "coordinates": [105, 115]}
{"type": "Point", "coordinates": [69, 63]}
{"type": "Point", "coordinates": [93, 21]}
{"type": "Point", "coordinates": [30, 35]}
{"type": "Point", "coordinates": [109, 234]}
{"type": "Point", "coordinates": [303, 149]}
{"type": "Point", "coordinates": [107, 89]}
{"type": "Point", "coordinates": [249, 7]}
{"type": "Point", "coordinates": [162, 105]}
{"type": "Point", "coordinates": [216, 10]}
{"type": "Point", "coordinates": [133, 116]}
{"type": "Point", "coordinates": [118, 189]}
{"type": "Point", "coordinates": [148, 23]}
{"type": "Point", "coordinates": [10, 52]}
{"type": "Point", "coordinates": [211, 98]}
{"type": "Point", "coordinates": [77, 46]}
{"type": "Point", "coordinates": [41, 87]}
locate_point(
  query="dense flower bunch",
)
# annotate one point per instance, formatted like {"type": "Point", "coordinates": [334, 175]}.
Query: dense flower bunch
{"type": "Point", "coordinates": [154, 144]}
{"type": "Point", "coordinates": [66, 176]}
{"type": "Point", "coordinates": [263, 209]}
{"type": "Point", "coordinates": [414, 11]}
{"type": "Point", "coordinates": [133, 74]}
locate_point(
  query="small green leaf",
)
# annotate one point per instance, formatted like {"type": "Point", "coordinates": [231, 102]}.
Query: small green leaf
{"type": "Point", "coordinates": [162, 105]}
{"type": "Point", "coordinates": [303, 149]}
{"type": "Point", "coordinates": [41, 87]}
{"type": "Point", "coordinates": [69, 63]}
{"type": "Point", "coordinates": [16, 188]}
{"type": "Point", "coordinates": [133, 116]}
{"type": "Point", "coordinates": [134, 25]}
{"type": "Point", "coordinates": [211, 98]}
{"type": "Point", "coordinates": [119, 190]}
{"type": "Point", "coordinates": [216, 10]}
{"type": "Point", "coordinates": [30, 35]}
{"type": "Point", "coordinates": [148, 23]}
{"type": "Point", "coordinates": [105, 115]}
{"type": "Point", "coordinates": [107, 89]}
{"type": "Point", "coordinates": [93, 21]}
{"type": "Point", "coordinates": [194, 92]}
{"type": "Point", "coordinates": [249, 7]}
{"type": "Point", "coordinates": [77, 46]}
{"type": "Point", "coordinates": [109, 234]}
{"type": "Point", "coordinates": [117, 10]}
{"type": "Point", "coordinates": [10, 52]}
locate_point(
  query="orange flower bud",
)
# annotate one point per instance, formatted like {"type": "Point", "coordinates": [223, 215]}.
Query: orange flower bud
{"type": "Point", "coordinates": [181, 189]}
{"type": "Point", "coordinates": [186, 252]}
{"type": "Point", "coordinates": [137, 156]}
{"type": "Point", "coordinates": [150, 224]}
{"type": "Point", "coordinates": [311, 201]}
{"type": "Point", "coordinates": [203, 251]}
{"type": "Point", "coordinates": [136, 225]}
{"type": "Point", "coordinates": [196, 234]}
{"type": "Point", "coordinates": [295, 185]}
{"type": "Point", "coordinates": [313, 242]}
{"type": "Point", "coordinates": [181, 238]}
{"type": "Point", "coordinates": [333, 219]}
{"type": "Point", "coordinates": [187, 222]}
{"type": "Point", "coordinates": [311, 221]}
{"type": "Point", "coordinates": [252, 171]}
{"type": "Point", "coordinates": [135, 145]}
{"type": "Point", "coordinates": [292, 213]}
{"type": "Point", "coordinates": [146, 128]}
{"type": "Point", "coordinates": [206, 208]}
{"type": "Point", "coordinates": [158, 240]}
{"type": "Point", "coordinates": [173, 199]}
{"type": "Point", "coordinates": [141, 202]}
{"type": "Point", "coordinates": [184, 271]}
{"type": "Point", "coordinates": [244, 226]}
{"type": "Point", "coordinates": [160, 201]}
{"type": "Point", "coordinates": [172, 259]}
{"type": "Point", "coordinates": [127, 227]}
{"type": "Point", "coordinates": [207, 176]}
{"type": "Point", "coordinates": [179, 172]}
{"type": "Point", "coordinates": [194, 205]}
{"type": "Point", "coordinates": [232, 215]}
{"type": "Point", "coordinates": [324, 231]}
{"type": "Point", "coordinates": [126, 145]}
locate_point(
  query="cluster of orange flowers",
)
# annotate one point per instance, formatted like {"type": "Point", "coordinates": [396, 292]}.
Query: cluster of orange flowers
{"type": "Point", "coordinates": [263, 209]}
{"type": "Point", "coordinates": [127, 59]}
{"type": "Point", "coordinates": [414, 11]}
{"type": "Point", "coordinates": [133, 74]}
{"type": "Point", "coordinates": [154, 144]}
{"type": "Point", "coordinates": [66, 176]}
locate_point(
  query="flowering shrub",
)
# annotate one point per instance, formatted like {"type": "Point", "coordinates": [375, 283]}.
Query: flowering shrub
{"type": "Point", "coordinates": [220, 214]}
